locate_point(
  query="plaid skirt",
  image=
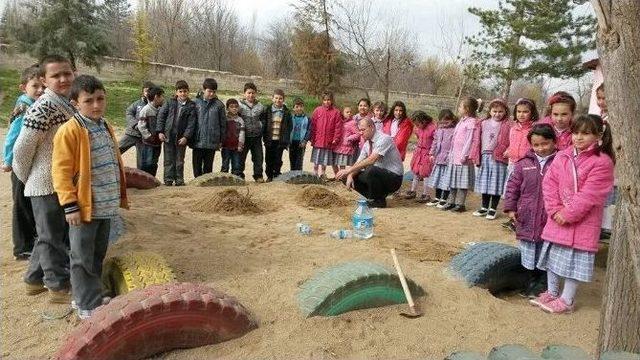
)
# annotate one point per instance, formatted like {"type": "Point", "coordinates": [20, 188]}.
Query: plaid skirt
{"type": "Point", "coordinates": [321, 156]}
{"type": "Point", "coordinates": [491, 177]}
{"type": "Point", "coordinates": [460, 176]}
{"type": "Point", "coordinates": [439, 178]}
{"type": "Point", "coordinates": [343, 159]}
{"type": "Point", "coordinates": [567, 262]}
{"type": "Point", "coordinates": [530, 253]}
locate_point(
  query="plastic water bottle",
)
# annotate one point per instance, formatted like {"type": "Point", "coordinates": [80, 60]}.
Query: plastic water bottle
{"type": "Point", "coordinates": [363, 220]}
{"type": "Point", "coordinates": [304, 229]}
{"type": "Point", "coordinates": [342, 234]}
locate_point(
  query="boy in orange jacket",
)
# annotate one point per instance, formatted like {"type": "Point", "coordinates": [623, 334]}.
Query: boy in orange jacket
{"type": "Point", "coordinates": [88, 176]}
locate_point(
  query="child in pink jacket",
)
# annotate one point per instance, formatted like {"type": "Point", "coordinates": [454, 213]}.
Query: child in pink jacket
{"type": "Point", "coordinates": [344, 154]}
{"type": "Point", "coordinates": [326, 132]}
{"type": "Point", "coordinates": [561, 107]}
{"type": "Point", "coordinates": [422, 162]}
{"type": "Point", "coordinates": [575, 189]}
{"type": "Point", "coordinates": [488, 148]}
{"type": "Point", "coordinates": [460, 164]}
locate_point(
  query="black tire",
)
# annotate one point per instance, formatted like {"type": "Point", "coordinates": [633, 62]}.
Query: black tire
{"type": "Point", "coordinates": [299, 177]}
{"type": "Point", "coordinates": [492, 266]}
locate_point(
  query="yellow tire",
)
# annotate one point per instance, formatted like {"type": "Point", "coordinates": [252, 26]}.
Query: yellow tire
{"type": "Point", "coordinates": [136, 270]}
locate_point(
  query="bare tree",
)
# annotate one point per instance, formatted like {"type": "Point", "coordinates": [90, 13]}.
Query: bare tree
{"type": "Point", "coordinates": [380, 50]}
{"type": "Point", "coordinates": [618, 40]}
{"type": "Point", "coordinates": [169, 19]}
{"type": "Point", "coordinates": [276, 48]}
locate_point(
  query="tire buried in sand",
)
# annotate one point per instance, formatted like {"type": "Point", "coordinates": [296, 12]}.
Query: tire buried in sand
{"type": "Point", "coordinates": [217, 179]}
{"type": "Point", "coordinates": [352, 286]}
{"type": "Point", "coordinates": [139, 179]}
{"type": "Point", "coordinates": [492, 266]}
{"type": "Point", "coordinates": [299, 177]}
{"type": "Point", "coordinates": [157, 319]}
{"type": "Point", "coordinates": [133, 271]}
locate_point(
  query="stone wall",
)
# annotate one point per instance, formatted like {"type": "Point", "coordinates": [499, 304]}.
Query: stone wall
{"type": "Point", "coordinates": [125, 69]}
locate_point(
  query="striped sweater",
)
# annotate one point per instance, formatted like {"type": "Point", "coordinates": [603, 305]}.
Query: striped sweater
{"type": "Point", "coordinates": [34, 146]}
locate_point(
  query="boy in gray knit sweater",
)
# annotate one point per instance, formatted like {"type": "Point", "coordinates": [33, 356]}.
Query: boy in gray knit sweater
{"type": "Point", "coordinates": [49, 263]}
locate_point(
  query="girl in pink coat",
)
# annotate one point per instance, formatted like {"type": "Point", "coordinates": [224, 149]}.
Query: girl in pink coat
{"type": "Point", "coordinates": [575, 189]}
{"type": "Point", "coordinates": [561, 108]}
{"type": "Point", "coordinates": [487, 152]}
{"type": "Point", "coordinates": [421, 162]}
{"type": "Point", "coordinates": [326, 132]}
{"type": "Point", "coordinates": [344, 154]}
{"type": "Point", "coordinates": [460, 168]}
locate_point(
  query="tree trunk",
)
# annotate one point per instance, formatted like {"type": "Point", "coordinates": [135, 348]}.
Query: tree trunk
{"type": "Point", "coordinates": [513, 62]}
{"type": "Point", "coordinates": [619, 47]}
{"type": "Point", "coordinates": [387, 74]}
{"type": "Point", "coordinates": [325, 19]}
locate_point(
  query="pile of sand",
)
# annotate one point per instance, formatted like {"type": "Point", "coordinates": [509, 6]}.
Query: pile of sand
{"type": "Point", "coordinates": [228, 202]}
{"type": "Point", "coordinates": [318, 196]}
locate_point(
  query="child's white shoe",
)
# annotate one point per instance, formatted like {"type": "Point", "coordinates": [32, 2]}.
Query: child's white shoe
{"type": "Point", "coordinates": [491, 214]}
{"type": "Point", "coordinates": [480, 212]}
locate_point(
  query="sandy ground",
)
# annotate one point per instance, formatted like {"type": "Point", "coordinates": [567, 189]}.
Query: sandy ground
{"type": "Point", "coordinates": [261, 260]}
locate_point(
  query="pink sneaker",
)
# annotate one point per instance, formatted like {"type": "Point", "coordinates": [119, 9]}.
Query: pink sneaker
{"type": "Point", "coordinates": [557, 306]}
{"type": "Point", "coordinates": [543, 298]}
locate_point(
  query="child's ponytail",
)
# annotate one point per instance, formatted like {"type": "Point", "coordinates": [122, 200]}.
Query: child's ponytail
{"type": "Point", "coordinates": [607, 141]}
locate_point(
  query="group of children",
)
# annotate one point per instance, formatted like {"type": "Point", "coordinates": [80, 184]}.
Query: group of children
{"type": "Point", "coordinates": [68, 179]}
{"type": "Point", "coordinates": [67, 183]}
{"type": "Point", "coordinates": [555, 175]}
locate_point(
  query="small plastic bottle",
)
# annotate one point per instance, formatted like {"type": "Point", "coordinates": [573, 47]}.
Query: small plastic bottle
{"type": "Point", "coordinates": [363, 220]}
{"type": "Point", "coordinates": [342, 234]}
{"type": "Point", "coordinates": [304, 229]}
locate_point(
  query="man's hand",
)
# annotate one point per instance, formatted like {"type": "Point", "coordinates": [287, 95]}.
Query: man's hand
{"type": "Point", "coordinates": [342, 174]}
{"type": "Point", "coordinates": [217, 146]}
{"type": "Point", "coordinates": [182, 141]}
{"type": "Point", "coordinates": [512, 215]}
{"type": "Point", "coordinates": [73, 218]}
{"type": "Point", "coordinates": [5, 167]}
{"type": "Point", "coordinates": [162, 137]}
{"type": "Point", "coordinates": [349, 182]}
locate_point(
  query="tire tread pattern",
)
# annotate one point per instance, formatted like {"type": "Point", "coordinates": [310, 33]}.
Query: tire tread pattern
{"type": "Point", "coordinates": [372, 283]}
{"type": "Point", "coordinates": [218, 179]}
{"type": "Point", "coordinates": [159, 318]}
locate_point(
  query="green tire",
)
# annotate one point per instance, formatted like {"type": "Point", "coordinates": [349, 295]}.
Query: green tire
{"type": "Point", "coordinates": [352, 286]}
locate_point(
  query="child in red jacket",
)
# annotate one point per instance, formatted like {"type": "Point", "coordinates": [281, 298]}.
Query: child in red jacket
{"type": "Point", "coordinates": [326, 132]}
{"type": "Point", "coordinates": [399, 126]}
{"type": "Point", "coordinates": [575, 189]}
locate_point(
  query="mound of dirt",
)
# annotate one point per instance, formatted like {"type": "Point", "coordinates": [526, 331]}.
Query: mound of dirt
{"type": "Point", "coordinates": [318, 196]}
{"type": "Point", "coordinates": [227, 202]}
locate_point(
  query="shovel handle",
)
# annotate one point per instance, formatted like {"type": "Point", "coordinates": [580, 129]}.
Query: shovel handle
{"type": "Point", "coordinates": [403, 281]}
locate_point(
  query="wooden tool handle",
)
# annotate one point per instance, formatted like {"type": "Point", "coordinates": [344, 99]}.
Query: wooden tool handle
{"type": "Point", "coordinates": [403, 281]}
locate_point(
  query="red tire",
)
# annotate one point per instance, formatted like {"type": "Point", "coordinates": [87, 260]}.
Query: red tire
{"type": "Point", "coordinates": [157, 319]}
{"type": "Point", "coordinates": [139, 179]}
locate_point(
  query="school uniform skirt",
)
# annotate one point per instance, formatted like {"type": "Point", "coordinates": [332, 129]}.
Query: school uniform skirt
{"type": "Point", "coordinates": [530, 253]}
{"type": "Point", "coordinates": [321, 156]}
{"type": "Point", "coordinates": [343, 159]}
{"type": "Point", "coordinates": [439, 177]}
{"type": "Point", "coordinates": [492, 176]}
{"type": "Point", "coordinates": [461, 176]}
{"type": "Point", "coordinates": [567, 261]}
